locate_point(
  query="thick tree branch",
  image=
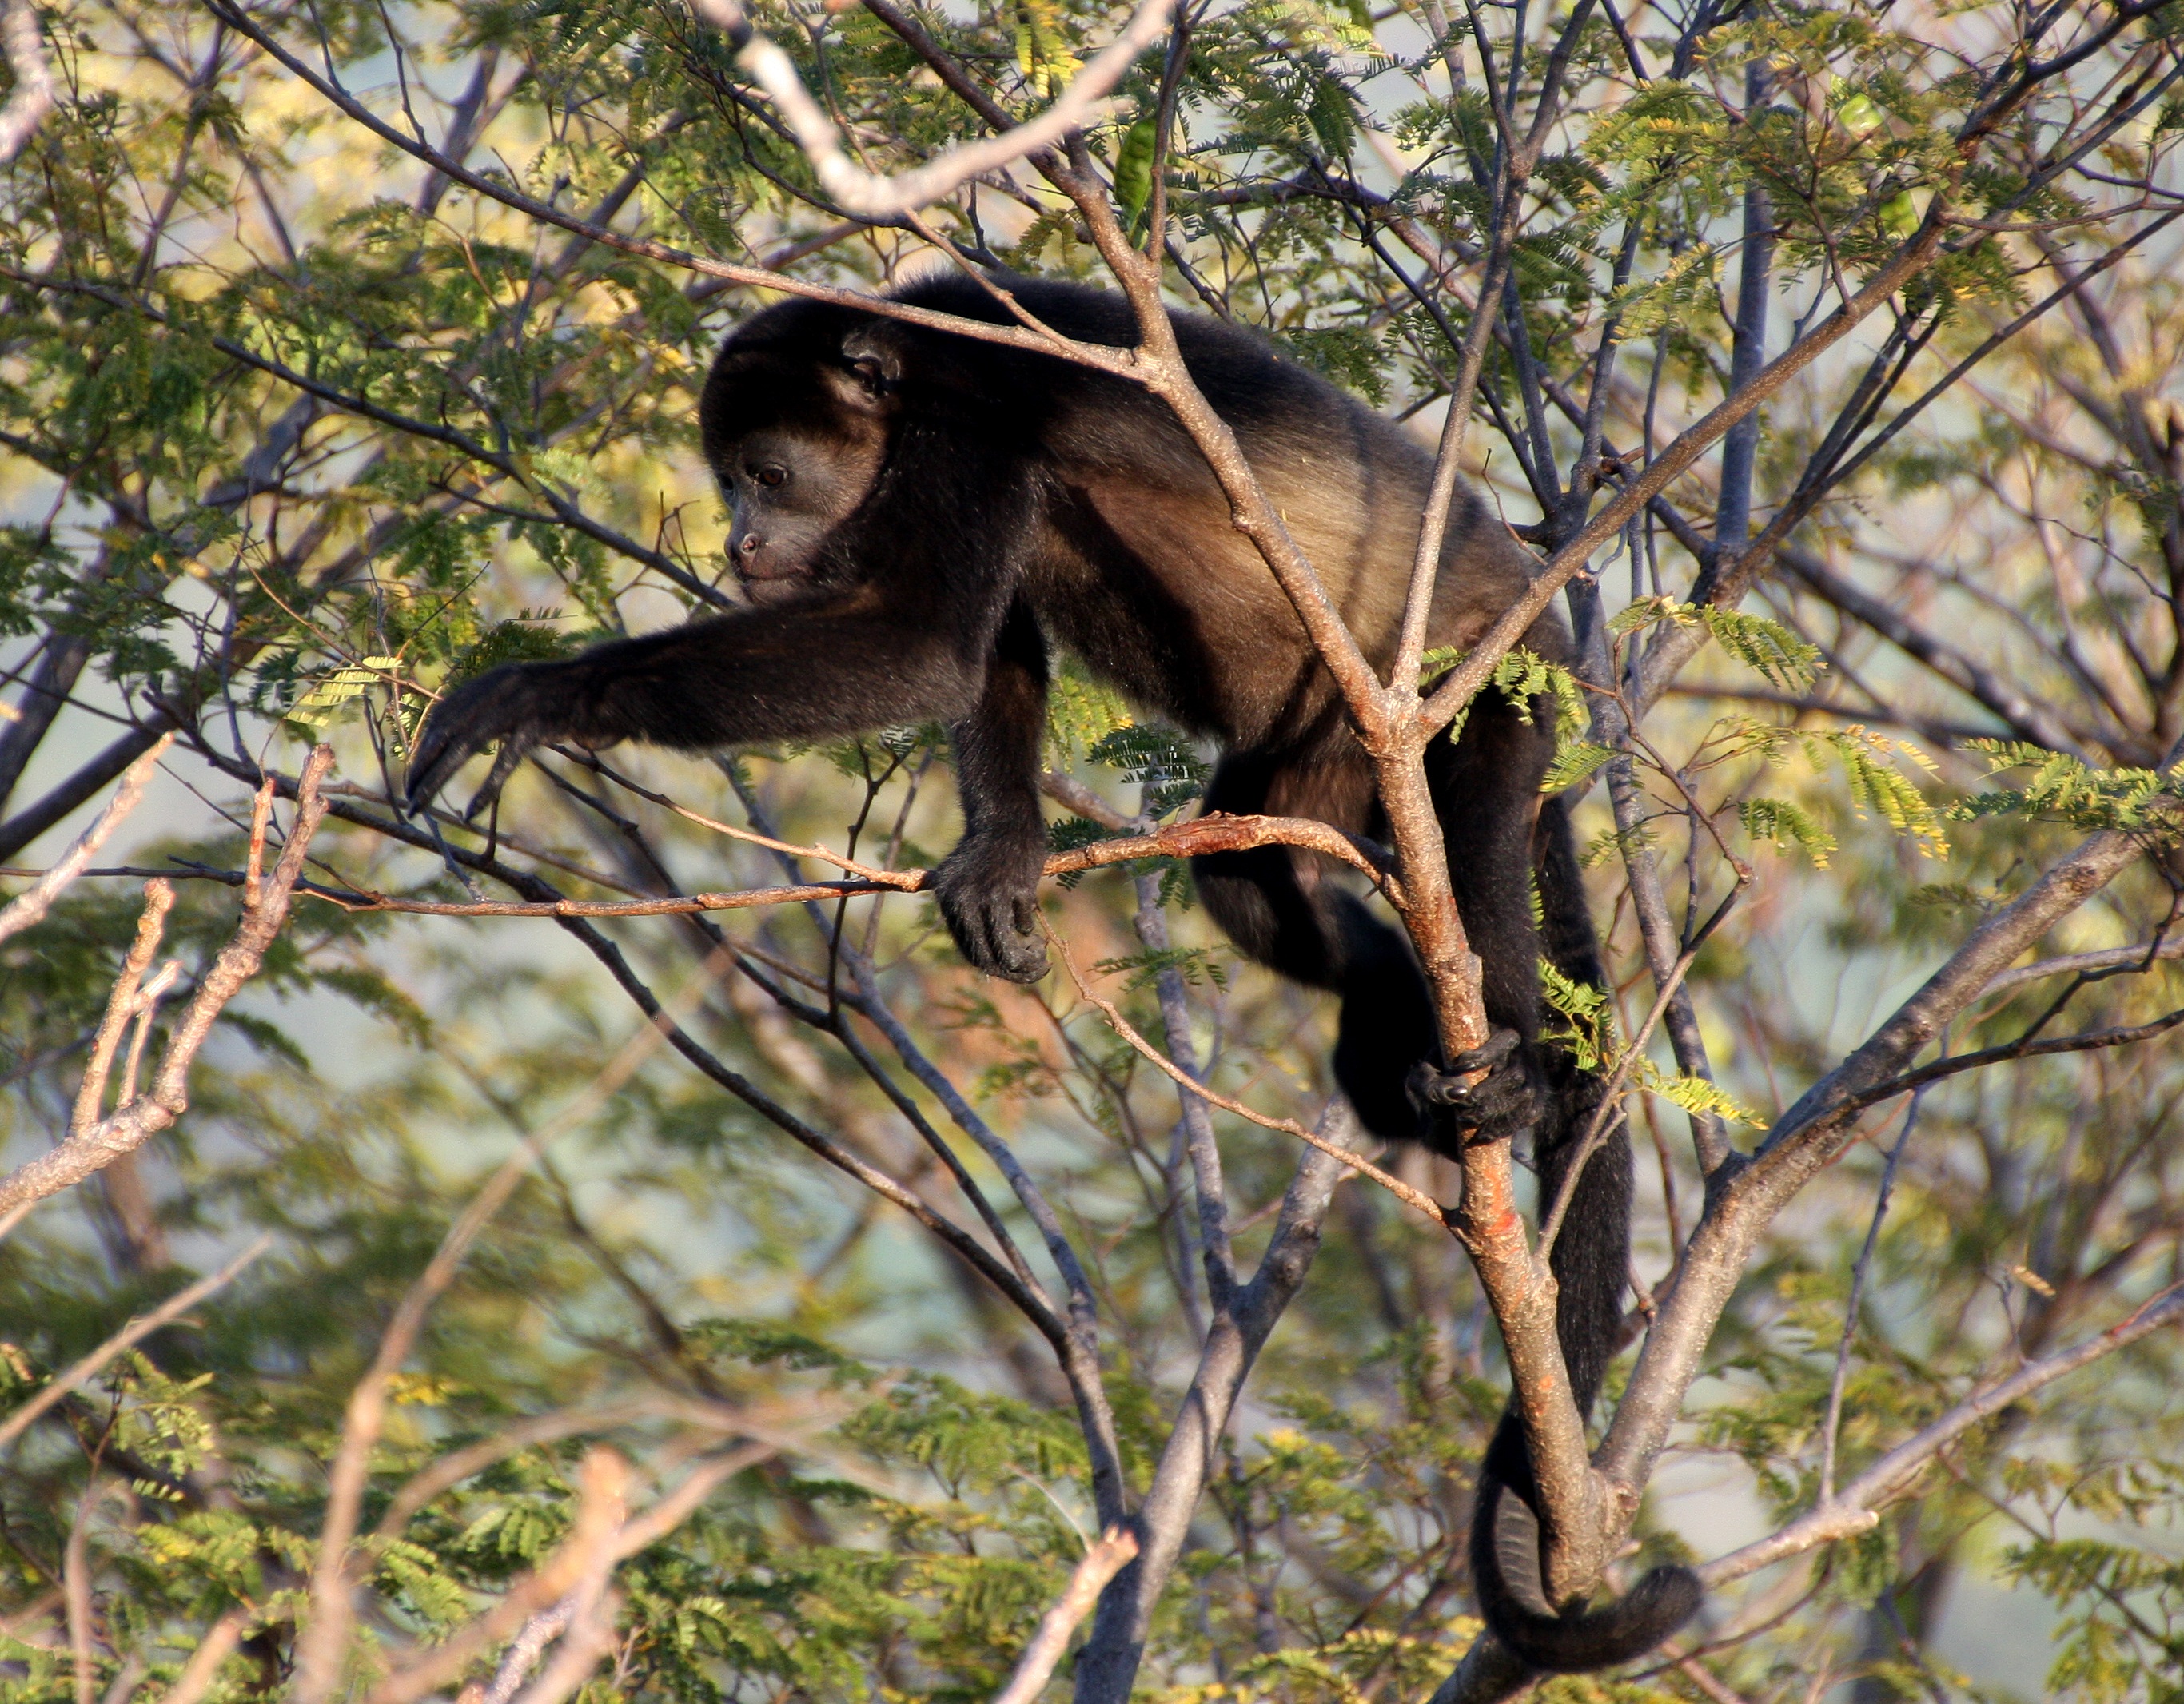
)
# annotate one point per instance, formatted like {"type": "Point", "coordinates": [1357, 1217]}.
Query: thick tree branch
{"type": "Point", "coordinates": [1807, 1137]}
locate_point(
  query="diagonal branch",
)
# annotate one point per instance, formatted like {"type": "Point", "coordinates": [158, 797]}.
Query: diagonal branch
{"type": "Point", "coordinates": [323, 1640]}
{"type": "Point", "coordinates": [1851, 1510]}
{"type": "Point", "coordinates": [1809, 1135]}
{"type": "Point", "coordinates": [134, 1333]}
{"type": "Point", "coordinates": [34, 96]}
{"type": "Point", "coordinates": [31, 904]}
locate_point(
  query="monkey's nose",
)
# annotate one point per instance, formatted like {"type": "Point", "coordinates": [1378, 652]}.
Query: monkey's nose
{"type": "Point", "coordinates": [750, 544]}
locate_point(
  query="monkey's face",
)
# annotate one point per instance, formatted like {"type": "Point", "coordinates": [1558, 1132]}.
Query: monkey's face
{"type": "Point", "coordinates": [788, 489]}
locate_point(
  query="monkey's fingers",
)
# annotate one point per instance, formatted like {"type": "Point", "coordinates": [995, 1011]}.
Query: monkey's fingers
{"type": "Point", "coordinates": [1007, 947]}
{"type": "Point", "coordinates": [442, 749]}
{"type": "Point", "coordinates": [514, 705]}
{"type": "Point", "coordinates": [514, 748]}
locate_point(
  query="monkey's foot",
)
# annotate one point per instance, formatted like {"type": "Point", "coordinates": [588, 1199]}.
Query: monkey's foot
{"type": "Point", "coordinates": [1457, 1110]}
{"type": "Point", "coordinates": [994, 921]}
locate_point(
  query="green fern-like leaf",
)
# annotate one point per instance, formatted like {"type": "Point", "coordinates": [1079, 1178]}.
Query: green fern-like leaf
{"type": "Point", "coordinates": [1698, 1094]}
{"type": "Point", "coordinates": [331, 694]}
{"type": "Point", "coordinates": [2062, 787]}
{"type": "Point", "coordinates": [1783, 825]}
{"type": "Point", "coordinates": [1587, 1031]}
{"type": "Point", "coordinates": [1767, 648]}
{"type": "Point", "coordinates": [1163, 761]}
{"type": "Point", "coordinates": [1869, 764]}
{"type": "Point", "coordinates": [1080, 713]}
{"type": "Point", "coordinates": [1573, 763]}
{"type": "Point", "coordinates": [1142, 969]}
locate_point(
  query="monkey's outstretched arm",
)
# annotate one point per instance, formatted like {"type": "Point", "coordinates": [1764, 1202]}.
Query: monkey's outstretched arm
{"type": "Point", "coordinates": [794, 673]}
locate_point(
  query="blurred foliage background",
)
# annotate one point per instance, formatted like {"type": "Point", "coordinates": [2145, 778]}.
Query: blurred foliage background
{"type": "Point", "coordinates": [295, 427]}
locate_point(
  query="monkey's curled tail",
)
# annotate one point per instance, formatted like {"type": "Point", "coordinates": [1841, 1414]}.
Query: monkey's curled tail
{"type": "Point", "coordinates": [1505, 1572]}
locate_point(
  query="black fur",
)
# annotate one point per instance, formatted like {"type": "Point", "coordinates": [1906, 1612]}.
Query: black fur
{"type": "Point", "coordinates": [919, 516]}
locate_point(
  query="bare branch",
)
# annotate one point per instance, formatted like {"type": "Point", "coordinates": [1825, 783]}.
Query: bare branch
{"type": "Point", "coordinates": [214, 1648]}
{"type": "Point", "coordinates": [2119, 1035]}
{"type": "Point", "coordinates": [870, 196]}
{"type": "Point", "coordinates": [1809, 1136]}
{"type": "Point", "coordinates": [523, 1650]}
{"type": "Point", "coordinates": [132, 1124]}
{"type": "Point", "coordinates": [2025, 714]}
{"type": "Point", "coordinates": [319, 1646]}
{"type": "Point", "coordinates": [1204, 1153]}
{"type": "Point", "coordinates": [1416, 1199]}
{"type": "Point", "coordinates": [122, 1004]}
{"type": "Point", "coordinates": [34, 95]}
{"type": "Point", "coordinates": [1853, 1511]}
{"type": "Point", "coordinates": [1677, 456]}
{"type": "Point", "coordinates": [31, 904]}
{"type": "Point", "coordinates": [1111, 1653]}
{"type": "Point", "coordinates": [566, 1422]}
{"type": "Point", "coordinates": [1106, 1558]}
{"type": "Point", "coordinates": [603, 1484]}
{"type": "Point", "coordinates": [1122, 363]}
{"type": "Point", "coordinates": [1217, 832]}
{"type": "Point", "coordinates": [75, 1586]}
{"type": "Point", "coordinates": [2145, 954]}
{"type": "Point", "coordinates": [25, 825]}
{"type": "Point", "coordinates": [1831, 1425]}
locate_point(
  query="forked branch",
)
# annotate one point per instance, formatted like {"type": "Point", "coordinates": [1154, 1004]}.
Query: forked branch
{"type": "Point", "coordinates": [94, 1142]}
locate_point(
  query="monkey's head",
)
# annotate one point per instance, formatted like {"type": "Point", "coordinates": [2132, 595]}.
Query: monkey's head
{"type": "Point", "coordinates": [797, 429]}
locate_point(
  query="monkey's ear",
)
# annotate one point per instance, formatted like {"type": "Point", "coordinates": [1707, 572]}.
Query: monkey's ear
{"type": "Point", "coordinates": [871, 369]}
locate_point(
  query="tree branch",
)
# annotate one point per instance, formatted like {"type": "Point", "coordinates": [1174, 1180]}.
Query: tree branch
{"type": "Point", "coordinates": [30, 905]}
{"type": "Point", "coordinates": [1852, 1509]}
{"type": "Point", "coordinates": [868, 195]}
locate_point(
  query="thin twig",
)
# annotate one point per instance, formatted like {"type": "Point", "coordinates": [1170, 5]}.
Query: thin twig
{"type": "Point", "coordinates": [214, 1648]}
{"type": "Point", "coordinates": [1417, 1199]}
{"type": "Point", "coordinates": [1217, 832]}
{"type": "Point", "coordinates": [523, 1650]}
{"type": "Point", "coordinates": [31, 904]}
{"type": "Point", "coordinates": [869, 195]}
{"type": "Point", "coordinates": [602, 1501]}
{"type": "Point", "coordinates": [1852, 1513]}
{"type": "Point", "coordinates": [75, 1585]}
{"type": "Point", "coordinates": [135, 1332]}
{"type": "Point", "coordinates": [129, 1127]}
{"type": "Point", "coordinates": [1831, 1427]}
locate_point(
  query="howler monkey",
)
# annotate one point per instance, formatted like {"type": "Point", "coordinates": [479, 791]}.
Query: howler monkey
{"type": "Point", "coordinates": [919, 516]}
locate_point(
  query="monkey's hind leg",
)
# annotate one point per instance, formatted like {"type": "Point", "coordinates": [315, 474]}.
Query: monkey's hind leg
{"type": "Point", "coordinates": [1278, 906]}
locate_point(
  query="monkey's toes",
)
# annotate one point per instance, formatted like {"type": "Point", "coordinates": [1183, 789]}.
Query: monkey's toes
{"type": "Point", "coordinates": [1498, 1105]}
{"type": "Point", "coordinates": [998, 933]}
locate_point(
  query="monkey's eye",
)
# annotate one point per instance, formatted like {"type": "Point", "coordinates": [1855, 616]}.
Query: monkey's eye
{"type": "Point", "coordinates": [770, 475]}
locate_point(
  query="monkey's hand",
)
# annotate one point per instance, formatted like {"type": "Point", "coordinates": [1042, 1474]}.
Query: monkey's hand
{"type": "Point", "coordinates": [1501, 1105]}
{"type": "Point", "coordinates": [988, 896]}
{"type": "Point", "coordinates": [517, 704]}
